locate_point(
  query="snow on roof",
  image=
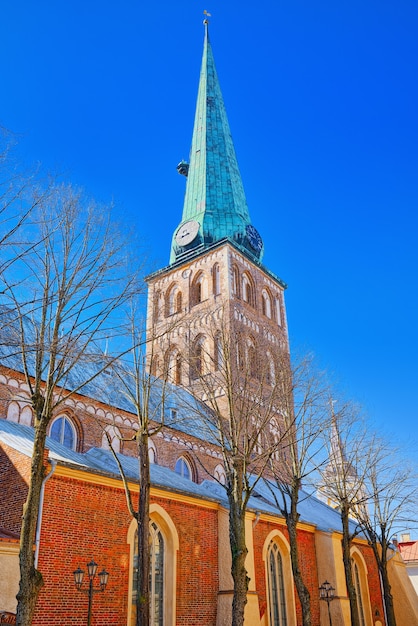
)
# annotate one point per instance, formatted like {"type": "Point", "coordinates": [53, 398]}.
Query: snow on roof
{"type": "Point", "coordinates": [312, 510]}
{"type": "Point", "coordinates": [105, 386]}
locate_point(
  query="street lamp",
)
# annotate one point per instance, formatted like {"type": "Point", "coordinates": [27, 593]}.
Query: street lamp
{"type": "Point", "coordinates": [91, 572]}
{"type": "Point", "coordinates": [326, 592]}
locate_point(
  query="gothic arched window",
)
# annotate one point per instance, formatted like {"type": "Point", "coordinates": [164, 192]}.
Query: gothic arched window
{"type": "Point", "coordinates": [199, 357]}
{"type": "Point", "coordinates": [216, 279]}
{"type": "Point", "coordinates": [156, 581]}
{"type": "Point", "coordinates": [63, 431]}
{"type": "Point", "coordinates": [115, 438]}
{"type": "Point", "coordinates": [184, 468]}
{"type": "Point", "coordinates": [174, 300]}
{"type": "Point", "coordinates": [276, 587]}
{"type": "Point", "coordinates": [174, 366]}
{"type": "Point", "coordinates": [235, 281]}
{"type": "Point", "coordinates": [199, 289]}
{"type": "Point", "coordinates": [217, 352]}
{"type": "Point", "coordinates": [359, 571]}
{"type": "Point", "coordinates": [219, 474]}
{"type": "Point", "coordinates": [266, 304]}
{"type": "Point", "coordinates": [248, 291]}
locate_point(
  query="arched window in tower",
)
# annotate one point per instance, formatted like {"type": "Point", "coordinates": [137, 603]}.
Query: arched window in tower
{"type": "Point", "coordinates": [156, 306]}
{"type": "Point", "coordinates": [266, 303]}
{"type": "Point", "coordinates": [270, 370]}
{"type": "Point", "coordinates": [248, 291]}
{"type": "Point", "coordinates": [155, 365]}
{"type": "Point", "coordinates": [199, 290]}
{"type": "Point", "coordinates": [276, 587]}
{"type": "Point", "coordinates": [178, 302]}
{"type": "Point", "coordinates": [199, 358]}
{"type": "Point", "coordinates": [235, 281]}
{"type": "Point", "coordinates": [174, 366]}
{"type": "Point", "coordinates": [174, 300]}
{"type": "Point", "coordinates": [63, 431]}
{"type": "Point", "coordinates": [251, 358]}
{"type": "Point", "coordinates": [216, 279]}
{"type": "Point", "coordinates": [278, 312]}
{"type": "Point", "coordinates": [217, 352]}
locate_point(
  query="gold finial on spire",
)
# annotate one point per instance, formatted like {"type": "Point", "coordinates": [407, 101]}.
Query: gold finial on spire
{"type": "Point", "coordinates": [206, 21]}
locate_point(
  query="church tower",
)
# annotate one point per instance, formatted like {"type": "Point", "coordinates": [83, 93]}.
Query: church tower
{"type": "Point", "coordinates": [215, 278]}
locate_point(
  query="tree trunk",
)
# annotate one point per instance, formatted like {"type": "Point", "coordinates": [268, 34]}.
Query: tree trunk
{"type": "Point", "coordinates": [30, 578]}
{"type": "Point", "coordinates": [387, 595]}
{"type": "Point", "coordinates": [143, 591]}
{"type": "Point", "coordinates": [346, 544]}
{"type": "Point", "coordinates": [292, 518]}
{"type": "Point", "coordinates": [239, 553]}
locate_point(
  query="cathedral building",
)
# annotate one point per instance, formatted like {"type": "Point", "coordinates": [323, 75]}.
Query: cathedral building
{"type": "Point", "coordinates": [215, 286]}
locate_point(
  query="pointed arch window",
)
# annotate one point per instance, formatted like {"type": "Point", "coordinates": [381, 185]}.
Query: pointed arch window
{"type": "Point", "coordinates": [359, 571]}
{"type": "Point", "coordinates": [174, 300]}
{"type": "Point", "coordinates": [251, 357]}
{"type": "Point", "coordinates": [248, 291]}
{"type": "Point", "coordinates": [278, 312]}
{"type": "Point", "coordinates": [62, 430]}
{"type": "Point", "coordinates": [152, 452]}
{"type": "Point", "coordinates": [156, 306]}
{"type": "Point", "coordinates": [216, 279]}
{"type": "Point", "coordinates": [266, 304]}
{"type": "Point", "coordinates": [199, 290]}
{"type": "Point", "coordinates": [217, 352]}
{"type": "Point", "coordinates": [271, 371]}
{"type": "Point", "coordinates": [219, 474]}
{"type": "Point", "coordinates": [184, 468]}
{"type": "Point", "coordinates": [174, 366]}
{"type": "Point", "coordinates": [198, 362]}
{"type": "Point", "coordinates": [235, 281]}
{"type": "Point", "coordinates": [156, 582]}
{"type": "Point", "coordinates": [276, 587]}
{"type": "Point", "coordinates": [115, 438]}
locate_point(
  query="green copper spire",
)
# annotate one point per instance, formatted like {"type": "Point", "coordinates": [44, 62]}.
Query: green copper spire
{"type": "Point", "coordinates": [215, 207]}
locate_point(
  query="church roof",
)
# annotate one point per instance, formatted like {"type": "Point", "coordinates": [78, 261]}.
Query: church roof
{"type": "Point", "coordinates": [100, 461]}
{"type": "Point", "coordinates": [215, 204]}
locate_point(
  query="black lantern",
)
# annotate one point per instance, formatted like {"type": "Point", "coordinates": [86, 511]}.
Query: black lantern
{"type": "Point", "coordinates": [91, 572]}
{"type": "Point", "coordinates": [326, 593]}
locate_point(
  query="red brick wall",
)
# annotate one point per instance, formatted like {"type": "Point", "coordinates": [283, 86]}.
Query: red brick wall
{"type": "Point", "coordinates": [306, 543]}
{"type": "Point", "coordinates": [83, 521]}
{"type": "Point", "coordinates": [14, 477]}
{"type": "Point", "coordinates": [373, 580]}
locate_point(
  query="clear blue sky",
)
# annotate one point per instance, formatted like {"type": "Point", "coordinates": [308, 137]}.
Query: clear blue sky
{"type": "Point", "coordinates": [322, 100]}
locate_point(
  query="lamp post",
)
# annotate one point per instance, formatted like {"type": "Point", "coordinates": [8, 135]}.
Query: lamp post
{"type": "Point", "coordinates": [91, 572]}
{"type": "Point", "coordinates": [326, 593]}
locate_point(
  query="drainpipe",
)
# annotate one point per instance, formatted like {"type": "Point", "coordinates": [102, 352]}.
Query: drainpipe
{"type": "Point", "coordinates": [41, 506]}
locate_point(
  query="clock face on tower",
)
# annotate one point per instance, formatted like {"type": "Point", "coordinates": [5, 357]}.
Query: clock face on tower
{"type": "Point", "coordinates": [186, 233]}
{"type": "Point", "coordinates": [254, 238]}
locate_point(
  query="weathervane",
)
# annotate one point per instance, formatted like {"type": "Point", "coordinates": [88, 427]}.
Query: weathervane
{"type": "Point", "coordinates": [206, 21]}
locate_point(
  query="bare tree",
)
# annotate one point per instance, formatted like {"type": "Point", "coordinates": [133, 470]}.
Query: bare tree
{"type": "Point", "coordinates": [392, 498]}
{"type": "Point", "coordinates": [342, 482]}
{"type": "Point", "coordinates": [148, 397]}
{"type": "Point", "coordinates": [239, 382]}
{"type": "Point", "coordinates": [18, 200]}
{"type": "Point", "coordinates": [61, 302]}
{"type": "Point", "coordinates": [304, 411]}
